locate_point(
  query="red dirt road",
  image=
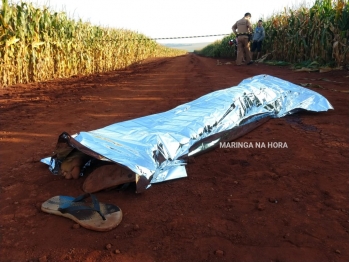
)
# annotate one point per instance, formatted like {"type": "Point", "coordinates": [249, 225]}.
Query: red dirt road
{"type": "Point", "coordinates": [243, 204]}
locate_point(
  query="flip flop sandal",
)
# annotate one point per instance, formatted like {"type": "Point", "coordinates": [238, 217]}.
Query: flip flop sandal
{"type": "Point", "coordinates": [95, 216]}
{"type": "Point", "coordinates": [107, 177]}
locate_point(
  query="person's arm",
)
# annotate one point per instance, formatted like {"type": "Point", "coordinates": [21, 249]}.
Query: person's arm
{"type": "Point", "coordinates": [253, 36]}
{"type": "Point", "coordinates": [249, 26]}
{"type": "Point", "coordinates": [235, 26]}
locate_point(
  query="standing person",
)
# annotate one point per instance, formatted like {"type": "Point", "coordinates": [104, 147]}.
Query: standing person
{"type": "Point", "coordinates": [258, 36]}
{"type": "Point", "coordinates": [242, 28]}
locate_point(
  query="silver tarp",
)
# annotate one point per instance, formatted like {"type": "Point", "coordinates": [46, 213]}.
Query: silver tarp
{"type": "Point", "coordinates": [157, 146]}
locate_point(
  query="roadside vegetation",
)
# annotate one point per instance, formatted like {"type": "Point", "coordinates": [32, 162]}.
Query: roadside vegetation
{"type": "Point", "coordinates": [37, 44]}
{"type": "Point", "coordinates": [307, 36]}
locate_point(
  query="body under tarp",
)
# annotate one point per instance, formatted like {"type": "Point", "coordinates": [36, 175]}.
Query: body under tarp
{"type": "Point", "coordinates": [157, 146]}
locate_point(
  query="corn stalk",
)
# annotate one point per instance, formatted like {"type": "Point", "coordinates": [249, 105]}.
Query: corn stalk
{"type": "Point", "coordinates": [219, 49]}
{"type": "Point", "coordinates": [38, 44]}
{"type": "Point", "coordinates": [320, 33]}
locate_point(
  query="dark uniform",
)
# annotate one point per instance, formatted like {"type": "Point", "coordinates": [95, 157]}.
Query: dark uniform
{"type": "Point", "coordinates": [243, 27]}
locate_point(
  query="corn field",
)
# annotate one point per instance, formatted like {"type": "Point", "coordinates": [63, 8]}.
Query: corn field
{"type": "Point", "coordinates": [38, 45]}
{"type": "Point", "coordinates": [319, 33]}
{"type": "Point", "coordinates": [219, 48]}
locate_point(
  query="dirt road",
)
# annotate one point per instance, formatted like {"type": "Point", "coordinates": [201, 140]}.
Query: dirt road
{"type": "Point", "coordinates": [243, 204]}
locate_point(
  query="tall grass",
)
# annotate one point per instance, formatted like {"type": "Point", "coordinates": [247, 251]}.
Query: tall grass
{"type": "Point", "coordinates": [39, 44]}
{"type": "Point", "coordinates": [319, 33]}
{"type": "Point", "coordinates": [219, 48]}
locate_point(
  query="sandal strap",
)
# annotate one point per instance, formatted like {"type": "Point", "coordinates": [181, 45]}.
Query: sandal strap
{"type": "Point", "coordinates": [81, 197]}
{"type": "Point", "coordinates": [67, 207]}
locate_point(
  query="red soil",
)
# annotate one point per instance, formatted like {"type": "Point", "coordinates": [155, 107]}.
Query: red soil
{"type": "Point", "coordinates": [243, 204]}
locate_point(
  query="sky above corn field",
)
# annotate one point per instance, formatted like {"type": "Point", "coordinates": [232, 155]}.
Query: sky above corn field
{"type": "Point", "coordinates": [170, 18]}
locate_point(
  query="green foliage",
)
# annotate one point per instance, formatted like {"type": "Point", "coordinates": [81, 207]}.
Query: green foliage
{"type": "Point", "coordinates": [276, 63]}
{"type": "Point", "coordinates": [220, 48]}
{"type": "Point", "coordinates": [37, 45]}
{"type": "Point", "coordinates": [320, 33]}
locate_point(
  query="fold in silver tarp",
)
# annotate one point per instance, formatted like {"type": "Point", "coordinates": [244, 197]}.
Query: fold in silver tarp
{"type": "Point", "coordinates": [157, 146]}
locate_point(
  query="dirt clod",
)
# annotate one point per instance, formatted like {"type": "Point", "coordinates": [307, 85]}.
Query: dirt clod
{"type": "Point", "coordinates": [219, 253]}
{"type": "Point", "coordinates": [272, 200]}
{"type": "Point", "coordinates": [43, 259]}
{"type": "Point", "coordinates": [260, 206]}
